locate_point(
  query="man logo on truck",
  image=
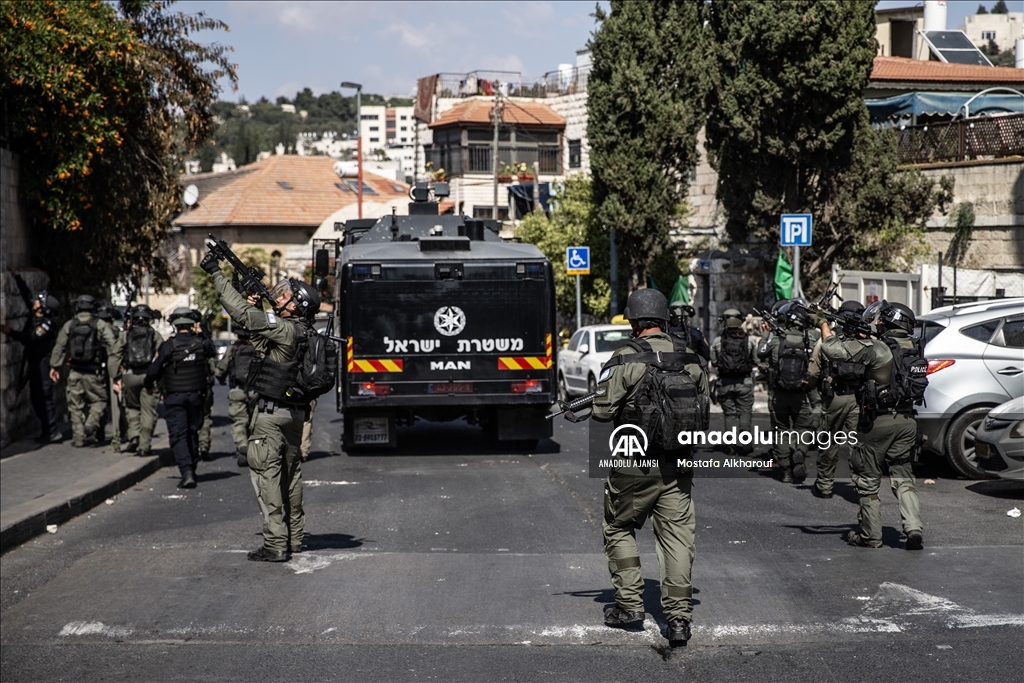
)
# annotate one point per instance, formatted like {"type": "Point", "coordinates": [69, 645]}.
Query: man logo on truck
{"type": "Point", "coordinates": [449, 320]}
{"type": "Point", "coordinates": [449, 365]}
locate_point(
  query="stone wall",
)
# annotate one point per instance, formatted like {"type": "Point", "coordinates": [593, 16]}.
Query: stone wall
{"type": "Point", "coordinates": [996, 189]}
{"type": "Point", "coordinates": [16, 416]}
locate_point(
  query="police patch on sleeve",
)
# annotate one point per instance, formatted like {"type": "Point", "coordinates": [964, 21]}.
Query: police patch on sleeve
{"type": "Point", "coordinates": [271, 318]}
{"type": "Point", "coordinates": [605, 374]}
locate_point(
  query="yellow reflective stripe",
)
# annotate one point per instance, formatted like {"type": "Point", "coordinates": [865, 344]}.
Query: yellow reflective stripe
{"type": "Point", "coordinates": [390, 365]}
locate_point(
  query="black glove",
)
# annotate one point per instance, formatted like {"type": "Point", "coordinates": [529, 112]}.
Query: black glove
{"type": "Point", "coordinates": [210, 263]}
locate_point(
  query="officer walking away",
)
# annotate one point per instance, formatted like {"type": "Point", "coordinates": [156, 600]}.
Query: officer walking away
{"type": "Point", "coordinates": [839, 383]}
{"type": "Point", "coordinates": [84, 344]}
{"type": "Point", "coordinates": [141, 342]}
{"type": "Point", "coordinates": [182, 366]}
{"type": "Point", "coordinates": [734, 355]}
{"type": "Point", "coordinates": [679, 325]}
{"type": "Point", "coordinates": [633, 494]}
{"type": "Point", "coordinates": [273, 452]}
{"type": "Point", "coordinates": [38, 337]}
{"type": "Point", "coordinates": [204, 331]}
{"type": "Point", "coordinates": [110, 315]}
{"type": "Point", "coordinates": [789, 359]}
{"type": "Point", "coordinates": [233, 370]}
{"type": "Point", "coordinates": [894, 381]}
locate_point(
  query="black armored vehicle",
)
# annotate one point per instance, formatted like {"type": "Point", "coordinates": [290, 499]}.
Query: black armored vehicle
{"type": "Point", "coordinates": [441, 319]}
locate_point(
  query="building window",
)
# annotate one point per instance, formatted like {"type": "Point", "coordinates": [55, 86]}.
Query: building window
{"type": "Point", "coordinates": [487, 212]}
{"type": "Point", "coordinates": [374, 139]}
{"type": "Point", "coordinates": [373, 128]}
{"type": "Point", "coordinates": [405, 128]}
{"type": "Point", "coordinates": [575, 154]}
{"type": "Point", "coordinates": [403, 139]}
{"type": "Point", "coordinates": [988, 35]}
{"type": "Point", "coordinates": [369, 117]}
{"type": "Point", "coordinates": [404, 117]}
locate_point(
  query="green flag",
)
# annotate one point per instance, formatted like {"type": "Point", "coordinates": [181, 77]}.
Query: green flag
{"type": "Point", "coordinates": [783, 278]}
{"type": "Point", "coordinates": [651, 284]}
{"type": "Point", "coordinates": [681, 291]}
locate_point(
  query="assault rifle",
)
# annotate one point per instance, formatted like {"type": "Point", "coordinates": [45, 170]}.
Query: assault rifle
{"type": "Point", "coordinates": [569, 408]}
{"type": "Point", "coordinates": [771, 321]}
{"type": "Point", "coordinates": [831, 292]}
{"type": "Point", "coordinates": [246, 279]}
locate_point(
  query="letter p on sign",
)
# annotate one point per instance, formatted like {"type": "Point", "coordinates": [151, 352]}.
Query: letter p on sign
{"type": "Point", "coordinates": [796, 230]}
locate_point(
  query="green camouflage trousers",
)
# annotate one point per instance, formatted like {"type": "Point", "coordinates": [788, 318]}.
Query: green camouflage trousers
{"type": "Point", "coordinates": [87, 404]}
{"type": "Point", "coordinates": [141, 409]}
{"type": "Point", "coordinates": [840, 413]}
{"type": "Point", "coordinates": [628, 501]}
{"type": "Point", "coordinates": [275, 466]}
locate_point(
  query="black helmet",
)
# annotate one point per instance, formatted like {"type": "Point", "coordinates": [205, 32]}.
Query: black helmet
{"type": "Point", "coordinates": [898, 316]}
{"type": "Point", "coordinates": [777, 306]}
{"type": "Point", "coordinates": [85, 303]}
{"type": "Point", "coordinates": [794, 313]}
{"type": "Point", "coordinates": [307, 300]}
{"type": "Point", "coordinates": [646, 304]}
{"type": "Point", "coordinates": [851, 307]}
{"type": "Point", "coordinates": [108, 313]}
{"type": "Point", "coordinates": [730, 313]}
{"type": "Point", "coordinates": [140, 313]}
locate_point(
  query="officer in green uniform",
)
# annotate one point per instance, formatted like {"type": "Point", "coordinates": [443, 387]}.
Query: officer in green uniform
{"type": "Point", "coordinates": [734, 355]}
{"type": "Point", "coordinates": [633, 494]}
{"type": "Point", "coordinates": [140, 342]}
{"type": "Point", "coordinates": [273, 451]}
{"type": "Point", "coordinates": [82, 344]}
{"type": "Point", "coordinates": [791, 370]}
{"type": "Point", "coordinates": [205, 439]}
{"type": "Point", "coordinates": [887, 434]}
{"type": "Point", "coordinates": [233, 369]}
{"type": "Point", "coordinates": [840, 411]}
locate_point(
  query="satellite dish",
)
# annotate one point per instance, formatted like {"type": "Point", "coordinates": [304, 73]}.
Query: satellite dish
{"type": "Point", "coordinates": [191, 195]}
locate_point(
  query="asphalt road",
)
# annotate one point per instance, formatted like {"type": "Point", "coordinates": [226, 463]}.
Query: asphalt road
{"type": "Point", "coordinates": [448, 560]}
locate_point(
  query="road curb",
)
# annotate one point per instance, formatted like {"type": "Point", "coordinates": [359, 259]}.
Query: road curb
{"type": "Point", "coordinates": [28, 520]}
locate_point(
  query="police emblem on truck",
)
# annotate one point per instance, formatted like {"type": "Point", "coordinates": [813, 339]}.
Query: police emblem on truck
{"type": "Point", "coordinates": [449, 320]}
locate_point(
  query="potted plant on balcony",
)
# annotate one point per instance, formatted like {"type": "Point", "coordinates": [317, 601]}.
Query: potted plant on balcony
{"type": "Point", "coordinates": [519, 171]}
{"type": "Point", "coordinates": [437, 175]}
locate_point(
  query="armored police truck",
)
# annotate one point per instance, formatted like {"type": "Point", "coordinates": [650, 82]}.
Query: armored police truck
{"type": "Point", "coordinates": [441, 319]}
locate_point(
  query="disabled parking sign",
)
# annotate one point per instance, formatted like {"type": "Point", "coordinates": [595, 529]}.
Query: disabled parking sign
{"type": "Point", "coordinates": [577, 260]}
{"type": "Point", "coordinates": [796, 230]}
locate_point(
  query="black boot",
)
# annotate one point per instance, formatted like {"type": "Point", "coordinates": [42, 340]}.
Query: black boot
{"type": "Point", "coordinates": [204, 454]}
{"type": "Point", "coordinates": [799, 471]}
{"type": "Point", "coordinates": [242, 459]}
{"type": "Point", "coordinates": [787, 475]}
{"type": "Point", "coordinates": [616, 616]}
{"type": "Point", "coordinates": [265, 554]}
{"type": "Point", "coordinates": [188, 479]}
{"type": "Point", "coordinates": [678, 631]}
{"type": "Point", "coordinates": [133, 445]}
{"type": "Point", "coordinates": [915, 540]}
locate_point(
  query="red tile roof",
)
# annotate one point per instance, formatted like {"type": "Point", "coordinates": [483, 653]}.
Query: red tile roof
{"type": "Point", "coordinates": [519, 113]}
{"type": "Point", "coordinates": [904, 69]}
{"type": "Point", "coordinates": [255, 195]}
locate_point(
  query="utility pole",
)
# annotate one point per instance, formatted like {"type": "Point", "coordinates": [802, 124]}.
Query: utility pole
{"type": "Point", "coordinates": [359, 140]}
{"type": "Point", "coordinates": [494, 150]}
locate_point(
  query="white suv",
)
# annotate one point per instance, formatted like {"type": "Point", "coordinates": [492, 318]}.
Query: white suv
{"type": "Point", "coordinates": [579, 364]}
{"type": "Point", "coordinates": [975, 358]}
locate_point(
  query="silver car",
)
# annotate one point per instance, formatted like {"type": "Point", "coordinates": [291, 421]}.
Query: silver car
{"type": "Point", "coordinates": [579, 364]}
{"type": "Point", "coordinates": [975, 358]}
{"type": "Point", "coordinates": [1000, 444]}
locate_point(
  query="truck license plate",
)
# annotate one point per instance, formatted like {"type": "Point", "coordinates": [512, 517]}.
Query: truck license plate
{"type": "Point", "coordinates": [451, 388]}
{"type": "Point", "coordinates": [370, 430]}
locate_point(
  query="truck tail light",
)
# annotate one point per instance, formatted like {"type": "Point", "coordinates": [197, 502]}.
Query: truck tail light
{"type": "Point", "coordinates": [530, 386]}
{"type": "Point", "coordinates": [936, 365]}
{"type": "Point", "coordinates": [374, 389]}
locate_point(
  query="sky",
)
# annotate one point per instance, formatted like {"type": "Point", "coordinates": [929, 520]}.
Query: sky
{"type": "Point", "coordinates": [282, 47]}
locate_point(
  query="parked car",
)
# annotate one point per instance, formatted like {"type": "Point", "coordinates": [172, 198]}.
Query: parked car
{"type": "Point", "coordinates": [579, 363]}
{"type": "Point", "coordinates": [975, 358]}
{"type": "Point", "coordinates": [999, 446]}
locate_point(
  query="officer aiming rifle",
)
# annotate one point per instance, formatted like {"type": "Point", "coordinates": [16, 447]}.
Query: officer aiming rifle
{"type": "Point", "coordinates": [771, 321]}
{"type": "Point", "coordinates": [245, 279]}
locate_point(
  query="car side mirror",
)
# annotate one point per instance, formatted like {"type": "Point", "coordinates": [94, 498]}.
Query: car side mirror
{"type": "Point", "coordinates": [584, 349]}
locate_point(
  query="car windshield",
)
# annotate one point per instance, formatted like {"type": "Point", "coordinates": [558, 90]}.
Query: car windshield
{"type": "Point", "coordinates": [609, 340]}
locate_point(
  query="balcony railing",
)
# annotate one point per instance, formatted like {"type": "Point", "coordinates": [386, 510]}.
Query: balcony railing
{"type": "Point", "coordinates": [459, 161]}
{"type": "Point", "coordinates": [551, 84]}
{"type": "Point", "coordinates": [983, 137]}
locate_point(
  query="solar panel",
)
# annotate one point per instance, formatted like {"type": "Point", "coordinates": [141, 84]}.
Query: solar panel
{"type": "Point", "coordinates": [954, 47]}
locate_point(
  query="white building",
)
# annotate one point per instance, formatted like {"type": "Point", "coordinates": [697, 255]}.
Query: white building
{"type": "Point", "coordinates": [390, 132]}
{"type": "Point", "coordinates": [1002, 29]}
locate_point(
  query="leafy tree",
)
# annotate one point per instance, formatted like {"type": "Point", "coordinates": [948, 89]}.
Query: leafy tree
{"type": "Point", "coordinates": [789, 133]}
{"type": "Point", "coordinates": [645, 107]}
{"type": "Point", "coordinates": [101, 103]}
{"type": "Point", "coordinates": [1000, 8]}
{"type": "Point", "coordinates": [981, 10]}
{"type": "Point", "coordinates": [572, 223]}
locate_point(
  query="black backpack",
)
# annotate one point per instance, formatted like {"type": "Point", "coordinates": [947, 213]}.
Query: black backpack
{"type": "Point", "coordinates": [141, 347]}
{"type": "Point", "coordinates": [793, 362]}
{"type": "Point", "coordinates": [908, 376]}
{"type": "Point", "coordinates": [667, 400]}
{"type": "Point", "coordinates": [734, 357]}
{"type": "Point", "coordinates": [83, 343]}
{"type": "Point", "coordinates": [241, 359]}
{"type": "Point", "coordinates": [318, 365]}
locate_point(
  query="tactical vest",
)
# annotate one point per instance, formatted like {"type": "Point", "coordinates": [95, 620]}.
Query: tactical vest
{"type": "Point", "coordinates": [272, 379]}
{"type": "Point", "coordinates": [140, 347]}
{"type": "Point", "coordinates": [186, 371]}
{"type": "Point", "coordinates": [734, 356]}
{"type": "Point", "coordinates": [84, 344]}
{"type": "Point", "coordinates": [241, 361]}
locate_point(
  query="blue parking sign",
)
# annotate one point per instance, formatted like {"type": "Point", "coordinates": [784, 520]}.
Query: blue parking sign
{"type": "Point", "coordinates": [796, 230]}
{"type": "Point", "coordinates": [577, 260]}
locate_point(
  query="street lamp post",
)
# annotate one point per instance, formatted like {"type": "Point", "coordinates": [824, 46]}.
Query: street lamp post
{"type": "Point", "coordinates": [359, 140]}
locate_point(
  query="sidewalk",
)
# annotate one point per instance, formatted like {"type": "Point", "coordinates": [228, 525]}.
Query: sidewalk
{"type": "Point", "coordinates": [44, 485]}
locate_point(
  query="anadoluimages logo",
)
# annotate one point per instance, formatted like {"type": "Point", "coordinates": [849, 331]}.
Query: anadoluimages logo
{"type": "Point", "coordinates": [627, 441]}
